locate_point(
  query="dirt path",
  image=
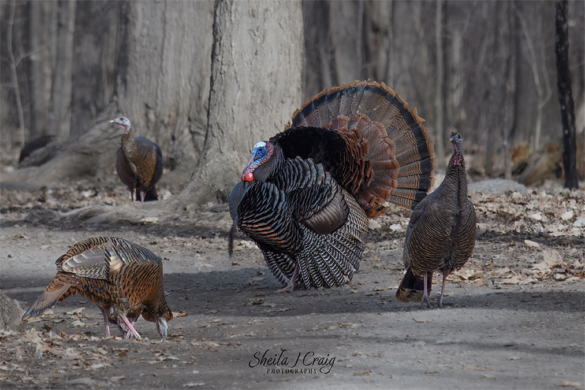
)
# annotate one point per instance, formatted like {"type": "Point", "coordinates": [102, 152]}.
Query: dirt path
{"type": "Point", "coordinates": [514, 316]}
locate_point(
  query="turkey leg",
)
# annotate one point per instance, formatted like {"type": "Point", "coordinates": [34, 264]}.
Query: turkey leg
{"type": "Point", "coordinates": [130, 327]}
{"type": "Point", "coordinates": [291, 283]}
{"type": "Point", "coordinates": [442, 291]}
{"type": "Point", "coordinates": [425, 295]}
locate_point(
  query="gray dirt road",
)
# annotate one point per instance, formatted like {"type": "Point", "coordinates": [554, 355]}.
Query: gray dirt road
{"type": "Point", "coordinates": [507, 324]}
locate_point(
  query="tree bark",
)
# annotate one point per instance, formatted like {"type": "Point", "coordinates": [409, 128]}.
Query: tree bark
{"type": "Point", "coordinates": [252, 96]}
{"type": "Point", "coordinates": [60, 114]}
{"type": "Point", "coordinates": [566, 97]}
{"type": "Point", "coordinates": [439, 98]}
{"type": "Point", "coordinates": [13, 65]}
{"type": "Point", "coordinates": [40, 66]}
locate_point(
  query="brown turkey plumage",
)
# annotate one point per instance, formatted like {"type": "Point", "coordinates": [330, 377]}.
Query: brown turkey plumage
{"type": "Point", "coordinates": [139, 163]}
{"type": "Point", "coordinates": [306, 194]}
{"type": "Point", "coordinates": [441, 233]}
{"type": "Point", "coordinates": [115, 274]}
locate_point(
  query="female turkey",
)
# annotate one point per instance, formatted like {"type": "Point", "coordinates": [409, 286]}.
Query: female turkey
{"type": "Point", "coordinates": [441, 233]}
{"type": "Point", "coordinates": [306, 194]}
{"type": "Point", "coordinates": [139, 163]}
{"type": "Point", "coordinates": [113, 273]}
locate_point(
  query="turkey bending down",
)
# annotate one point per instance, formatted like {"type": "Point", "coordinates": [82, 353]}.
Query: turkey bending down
{"type": "Point", "coordinates": [306, 194]}
{"type": "Point", "coordinates": [139, 163]}
{"type": "Point", "coordinates": [115, 274]}
{"type": "Point", "coordinates": [441, 232]}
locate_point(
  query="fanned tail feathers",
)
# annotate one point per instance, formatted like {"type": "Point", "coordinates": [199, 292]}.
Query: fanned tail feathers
{"type": "Point", "coordinates": [391, 138]}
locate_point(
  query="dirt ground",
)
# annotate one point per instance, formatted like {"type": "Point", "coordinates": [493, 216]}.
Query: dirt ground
{"type": "Point", "coordinates": [513, 318]}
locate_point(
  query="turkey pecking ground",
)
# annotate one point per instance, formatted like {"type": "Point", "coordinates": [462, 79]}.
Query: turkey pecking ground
{"type": "Point", "coordinates": [513, 315]}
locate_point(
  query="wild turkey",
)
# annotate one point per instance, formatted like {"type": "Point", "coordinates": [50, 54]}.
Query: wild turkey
{"type": "Point", "coordinates": [113, 273]}
{"type": "Point", "coordinates": [441, 232]}
{"type": "Point", "coordinates": [306, 194]}
{"type": "Point", "coordinates": [139, 163]}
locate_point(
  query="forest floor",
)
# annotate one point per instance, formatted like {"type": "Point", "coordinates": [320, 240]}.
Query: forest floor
{"type": "Point", "coordinates": [514, 316]}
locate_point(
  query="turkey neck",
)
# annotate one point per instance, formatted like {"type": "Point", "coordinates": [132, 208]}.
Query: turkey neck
{"type": "Point", "coordinates": [128, 143]}
{"type": "Point", "coordinates": [456, 174]}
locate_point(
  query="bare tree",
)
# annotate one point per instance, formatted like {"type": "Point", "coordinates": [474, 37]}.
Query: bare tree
{"type": "Point", "coordinates": [40, 65]}
{"type": "Point", "coordinates": [439, 99]}
{"type": "Point", "coordinates": [542, 99]}
{"type": "Point", "coordinates": [60, 114]}
{"type": "Point", "coordinates": [566, 97]}
{"type": "Point", "coordinates": [13, 65]}
{"type": "Point", "coordinates": [252, 97]}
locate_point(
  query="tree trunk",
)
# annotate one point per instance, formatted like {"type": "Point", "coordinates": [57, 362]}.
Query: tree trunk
{"type": "Point", "coordinates": [252, 96]}
{"type": "Point", "coordinates": [566, 97]}
{"type": "Point", "coordinates": [439, 98]}
{"type": "Point", "coordinates": [40, 66]}
{"type": "Point", "coordinates": [60, 115]}
{"type": "Point", "coordinates": [14, 75]}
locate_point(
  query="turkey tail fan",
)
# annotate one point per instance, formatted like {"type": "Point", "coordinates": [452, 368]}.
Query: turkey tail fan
{"type": "Point", "coordinates": [411, 288]}
{"type": "Point", "coordinates": [59, 289]}
{"type": "Point", "coordinates": [392, 151]}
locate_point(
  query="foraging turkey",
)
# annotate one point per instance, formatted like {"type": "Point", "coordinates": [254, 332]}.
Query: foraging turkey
{"type": "Point", "coordinates": [441, 233]}
{"type": "Point", "coordinates": [139, 163]}
{"type": "Point", "coordinates": [306, 195]}
{"type": "Point", "coordinates": [115, 274]}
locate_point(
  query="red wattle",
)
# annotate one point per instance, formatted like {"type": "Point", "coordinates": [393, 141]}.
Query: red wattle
{"type": "Point", "coordinates": [249, 176]}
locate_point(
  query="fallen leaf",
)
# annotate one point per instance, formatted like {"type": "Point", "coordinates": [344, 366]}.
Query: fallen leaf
{"type": "Point", "coordinates": [178, 314]}
{"type": "Point", "coordinates": [421, 320]}
{"type": "Point", "coordinates": [571, 384]}
{"type": "Point", "coordinates": [474, 368]}
{"type": "Point", "coordinates": [432, 371]}
{"type": "Point", "coordinates": [363, 373]}
{"type": "Point", "coordinates": [76, 312]}
{"type": "Point", "coordinates": [532, 244]}
{"type": "Point", "coordinates": [213, 311]}
{"type": "Point", "coordinates": [489, 376]}
{"type": "Point", "coordinates": [117, 378]}
{"type": "Point", "coordinates": [193, 384]}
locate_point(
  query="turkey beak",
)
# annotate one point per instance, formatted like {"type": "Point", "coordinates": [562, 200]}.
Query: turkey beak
{"type": "Point", "coordinates": [121, 125]}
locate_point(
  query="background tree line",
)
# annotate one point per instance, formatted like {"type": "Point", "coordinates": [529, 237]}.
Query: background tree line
{"type": "Point", "coordinates": [485, 69]}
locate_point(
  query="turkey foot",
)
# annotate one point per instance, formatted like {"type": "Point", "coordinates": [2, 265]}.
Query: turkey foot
{"type": "Point", "coordinates": [291, 283]}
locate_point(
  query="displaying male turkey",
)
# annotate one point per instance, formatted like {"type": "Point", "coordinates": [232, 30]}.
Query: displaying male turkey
{"type": "Point", "coordinates": [113, 273]}
{"type": "Point", "coordinates": [441, 233]}
{"type": "Point", "coordinates": [139, 163]}
{"type": "Point", "coordinates": [306, 194]}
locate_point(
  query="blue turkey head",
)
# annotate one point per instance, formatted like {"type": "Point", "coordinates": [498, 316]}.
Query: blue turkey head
{"type": "Point", "coordinates": [261, 154]}
{"type": "Point", "coordinates": [123, 122]}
